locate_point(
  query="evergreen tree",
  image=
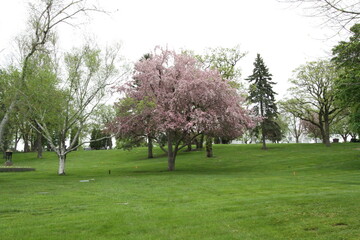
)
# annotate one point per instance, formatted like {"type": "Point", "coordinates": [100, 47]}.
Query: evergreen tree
{"type": "Point", "coordinates": [98, 139]}
{"type": "Point", "coordinates": [261, 94]}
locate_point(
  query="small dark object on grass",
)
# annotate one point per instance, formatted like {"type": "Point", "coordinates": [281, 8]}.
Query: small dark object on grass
{"type": "Point", "coordinates": [16, 169]}
{"type": "Point", "coordinates": [109, 171]}
{"type": "Point", "coordinates": [339, 224]}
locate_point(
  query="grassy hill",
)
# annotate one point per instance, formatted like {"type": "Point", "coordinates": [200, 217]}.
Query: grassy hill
{"type": "Point", "coordinates": [291, 191]}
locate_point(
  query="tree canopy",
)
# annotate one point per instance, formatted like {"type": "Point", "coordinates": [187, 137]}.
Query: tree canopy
{"type": "Point", "coordinates": [262, 95]}
{"type": "Point", "coordinates": [176, 98]}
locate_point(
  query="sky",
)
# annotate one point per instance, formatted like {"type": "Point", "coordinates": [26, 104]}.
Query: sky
{"type": "Point", "coordinates": [279, 32]}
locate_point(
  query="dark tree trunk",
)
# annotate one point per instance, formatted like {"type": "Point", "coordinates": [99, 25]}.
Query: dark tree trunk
{"type": "Point", "coordinates": [150, 148]}
{"type": "Point", "coordinates": [110, 143]}
{"type": "Point", "coordinates": [171, 153]}
{"type": "Point", "coordinates": [327, 131]}
{"type": "Point", "coordinates": [26, 143]}
{"type": "Point", "coordinates": [189, 147]}
{"type": "Point", "coordinates": [196, 141]}
{"type": "Point", "coordinates": [262, 126]}
{"type": "Point", "coordinates": [209, 151]}
{"type": "Point", "coordinates": [39, 147]}
{"type": "Point", "coordinates": [263, 137]}
{"type": "Point", "coordinates": [201, 142]}
{"type": "Point", "coordinates": [344, 137]}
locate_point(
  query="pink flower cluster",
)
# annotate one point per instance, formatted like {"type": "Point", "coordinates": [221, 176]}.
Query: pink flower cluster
{"type": "Point", "coordinates": [169, 92]}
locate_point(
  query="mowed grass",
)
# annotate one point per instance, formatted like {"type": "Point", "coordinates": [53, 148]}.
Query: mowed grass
{"type": "Point", "coordinates": [291, 191]}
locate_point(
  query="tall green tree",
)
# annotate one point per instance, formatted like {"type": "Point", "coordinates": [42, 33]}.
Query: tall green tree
{"type": "Point", "coordinates": [262, 95]}
{"type": "Point", "coordinates": [347, 62]}
{"type": "Point", "coordinates": [314, 96]}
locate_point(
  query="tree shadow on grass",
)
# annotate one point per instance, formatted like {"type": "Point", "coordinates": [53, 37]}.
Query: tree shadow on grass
{"type": "Point", "coordinates": [194, 171]}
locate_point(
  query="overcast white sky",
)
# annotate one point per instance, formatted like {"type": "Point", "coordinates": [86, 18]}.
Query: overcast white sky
{"type": "Point", "coordinates": [282, 35]}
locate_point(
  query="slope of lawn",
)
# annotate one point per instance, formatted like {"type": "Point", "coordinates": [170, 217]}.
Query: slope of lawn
{"type": "Point", "coordinates": [291, 191]}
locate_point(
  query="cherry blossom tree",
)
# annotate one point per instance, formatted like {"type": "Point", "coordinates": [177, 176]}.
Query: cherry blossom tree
{"type": "Point", "coordinates": [174, 99]}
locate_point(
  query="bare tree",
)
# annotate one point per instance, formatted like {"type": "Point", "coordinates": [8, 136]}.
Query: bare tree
{"type": "Point", "coordinates": [45, 16]}
{"type": "Point", "coordinates": [337, 13]}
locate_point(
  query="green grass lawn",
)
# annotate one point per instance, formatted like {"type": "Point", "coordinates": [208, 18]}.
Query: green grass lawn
{"type": "Point", "coordinates": [291, 191]}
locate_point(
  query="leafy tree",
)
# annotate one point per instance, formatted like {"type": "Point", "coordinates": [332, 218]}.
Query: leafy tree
{"type": "Point", "coordinates": [45, 16]}
{"type": "Point", "coordinates": [341, 125]}
{"type": "Point", "coordinates": [311, 129]}
{"type": "Point", "coordinates": [347, 61]}
{"type": "Point", "coordinates": [8, 80]}
{"type": "Point", "coordinates": [295, 127]}
{"type": "Point", "coordinates": [178, 99]}
{"type": "Point", "coordinates": [99, 139]}
{"type": "Point", "coordinates": [314, 96]}
{"type": "Point", "coordinates": [89, 72]}
{"type": "Point", "coordinates": [224, 60]}
{"type": "Point", "coordinates": [261, 94]}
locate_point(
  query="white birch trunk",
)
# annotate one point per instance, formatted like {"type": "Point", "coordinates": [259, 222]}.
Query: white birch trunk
{"type": "Point", "coordinates": [62, 159]}
{"type": "Point", "coordinates": [5, 121]}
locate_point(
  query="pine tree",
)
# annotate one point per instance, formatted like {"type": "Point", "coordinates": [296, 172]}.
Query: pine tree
{"type": "Point", "coordinates": [261, 94]}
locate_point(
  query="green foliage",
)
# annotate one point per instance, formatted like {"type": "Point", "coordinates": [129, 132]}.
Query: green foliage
{"type": "Point", "coordinates": [273, 130]}
{"type": "Point", "coordinates": [347, 60]}
{"type": "Point", "coordinates": [355, 120]}
{"type": "Point", "coordinates": [224, 60]}
{"type": "Point", "coordinates": [314, 96]}
{"type": "Point", "coordinates": [294, 191]}
{"type": "Point", "coordinates": [260, 89]}
{"type": "Point", "coordinates": [262, 95]}
{"type": "Point", "coordinates": [99, 139]}
{"type": "Point", "coordinates": [130, 143]}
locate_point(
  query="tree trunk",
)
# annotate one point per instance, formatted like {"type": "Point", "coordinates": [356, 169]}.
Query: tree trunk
{"type": "Point", "coordinates": [263, 137]}
{"type": "Point", "coordinates": [33, 143]}
{"type": "Point", "coordinates": [201, 142]}
{"type": "Point", "coordinates": [62, 160]}
{"type": "Point", "coordinates": [5, 121]}
{"type": "Point", "coordinates": [39, 145]}
{"type": "Point", "coordinates": [327, 131]}
{"type": "Point", "coordinates": [17, 139]}
{"type": "Point", "coordinates": [150, 148]}
{"type": "Point", "coordinates": [171, 153]}
{"type": "Point", "coordinates": [262, 126]}
{"type": "Point", "coordinates": [26, 143]}
{"type": "Point", "coordinates": [189, 147]}
{"type": "Point", "coordinates": [209, 151]}
{"type": "Point", "coordinates": [297, 139]}
{"type": "Point", "coordinates": [110, 143]}
{"type": "Point", "coordinates": [344, 137]}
